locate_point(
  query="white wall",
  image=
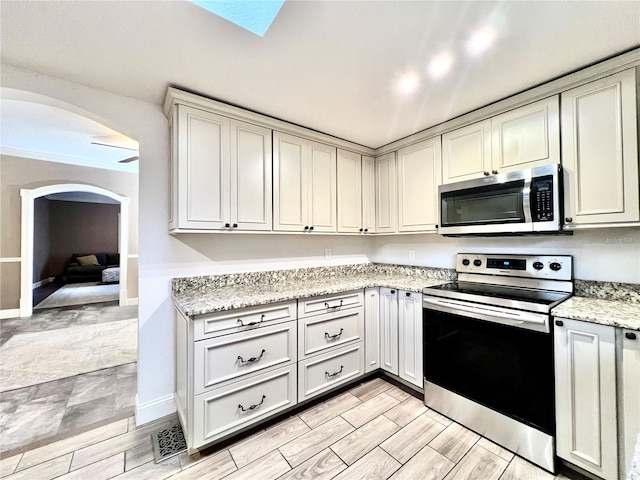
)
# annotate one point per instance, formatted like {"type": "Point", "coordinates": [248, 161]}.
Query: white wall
{"type": "Point", "coordinates": [602, 254]}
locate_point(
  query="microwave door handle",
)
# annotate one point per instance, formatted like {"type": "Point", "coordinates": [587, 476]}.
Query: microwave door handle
{"type": "Point", "coordinates": [526, 201]}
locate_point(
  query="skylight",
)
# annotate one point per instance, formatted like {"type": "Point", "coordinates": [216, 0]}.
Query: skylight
{"type": "Point", "coordinates": [252, 15]}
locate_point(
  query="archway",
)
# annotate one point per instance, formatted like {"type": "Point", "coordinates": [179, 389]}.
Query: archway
{"type": "Point", "coordinates": [27, 232]}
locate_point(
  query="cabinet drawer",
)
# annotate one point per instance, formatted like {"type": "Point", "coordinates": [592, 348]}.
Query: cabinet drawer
{"type": "Point", "coordinates": [220, 412]}
{"type": "Point", "coordinates": [221, 359]}
{"type": "Point", "coordinates": [323, 332]}
{"type": "Point", "coordinates": [330, 303]}
{"type": "Point", "coordinates": [242, 320]}
{"type": "Point", "coordinates": [324, 372]}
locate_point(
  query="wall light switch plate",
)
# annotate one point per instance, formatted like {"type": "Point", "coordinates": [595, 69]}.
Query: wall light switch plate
{"type": "Point", "coordinates": [327, 254]}
{"type": "Point", "coordinates": [412, 254]}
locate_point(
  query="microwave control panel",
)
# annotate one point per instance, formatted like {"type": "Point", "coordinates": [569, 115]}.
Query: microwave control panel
{"type": "Point", "coordinates": [542, 199]}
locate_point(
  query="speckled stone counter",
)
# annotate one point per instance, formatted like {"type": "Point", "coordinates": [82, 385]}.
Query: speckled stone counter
{"type": "Point", "coordinates": [207, 294]}
{"type": "Point", "coordinates": [596, 310]}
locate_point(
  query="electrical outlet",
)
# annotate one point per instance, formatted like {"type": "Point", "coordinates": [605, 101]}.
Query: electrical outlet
{"type": "Point", "coordinates": [412, 254]}
{"type": "Point", "coordinates": [327, 254]}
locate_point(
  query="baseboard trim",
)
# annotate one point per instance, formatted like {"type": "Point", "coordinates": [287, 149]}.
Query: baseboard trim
{"type": "Point", "coordinates": [42, 282]}
{"type": "Point", "coordinates": [132, 301]}
{"type": "Point", "coordinates": [9, 313]}
{"type": "Point", "coordinates": [161, 407]}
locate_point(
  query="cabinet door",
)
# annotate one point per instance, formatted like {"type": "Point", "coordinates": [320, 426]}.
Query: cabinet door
{"type": "Point", "coordinates": [419, 174]}
{"type": "Point", "coordinates": [410, 339]}
{"type": "Point", "coordinates": [371, 329]}
{"type": "Point", "coordinates": [321, 188]}
{"type": "Point", "coordinates": [389, 330]}
{"type": "Point", "coordinates": [368, 195]}
{"type": "Point", "coordinates": [251, 198]}
{"type": "Point", "coordinates": [631, 395]}
{"type": "Point", "coordinates": [526, 137]}
{"type": "Point", "coordinates": [203, 169]}
{"type": "Point", "coordinates": [349, 192]}
{"type": "Point", "coordinates": [466, 152]}
{"type": "Point", "coordinates": [585, 372]}
{"type": "Point", "coordinates": [600, 152]}
{"type": "Point", "coordinates": [386, 196]}
{"type": "Point", "coordinates": [290, 164]}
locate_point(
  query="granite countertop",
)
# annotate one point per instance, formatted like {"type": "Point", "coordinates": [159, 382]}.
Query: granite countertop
{"type": "Point", "coordinates": [210, 299]}
{"type": "Point", "coordinates": [617, 313]}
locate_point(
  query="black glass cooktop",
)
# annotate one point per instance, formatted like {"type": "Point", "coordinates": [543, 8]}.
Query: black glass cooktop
{"type": "Point", "coordinates": [461, 289]}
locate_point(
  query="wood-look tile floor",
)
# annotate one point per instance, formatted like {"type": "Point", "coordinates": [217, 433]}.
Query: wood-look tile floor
{"type": "Point", "coordinates": [373, 431]}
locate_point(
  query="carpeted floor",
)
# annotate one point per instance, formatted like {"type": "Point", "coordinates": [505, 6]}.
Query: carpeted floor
{"type": "Point", "coordinates": [81, 294]}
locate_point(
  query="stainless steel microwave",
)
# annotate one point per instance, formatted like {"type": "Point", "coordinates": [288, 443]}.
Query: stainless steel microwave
{"type": "Point", "coordinates": [526, 201]}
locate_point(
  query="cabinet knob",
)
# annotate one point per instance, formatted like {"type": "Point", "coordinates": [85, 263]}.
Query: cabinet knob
{"type": "Point", "coordinates": [227, 225]}
{"type": "Point", "coordinates": [362, 230]}
{"type": "Point", "coordinates": [306, 227]}
{"type": "Point", "coordinates": [408, 294]}
{"type": "Point", "coordinates": [486, 174]}
{"type": "Point", "coordinates": [495, 172]}
{"type": "Point", "coordinates": [568, 219]}
{"type": "Point", "coordinates": [630, 335]}
{"type": "Point", "coordinates": [311, 227]}
{"type": "Point", "coordinates": [235, 225]}
{"type": "Point", "coordinates": [366, 230]}
{"type": "Point", "coordinates": [560, 323]}
{"type": "Point", "coordinates": [393, 291]}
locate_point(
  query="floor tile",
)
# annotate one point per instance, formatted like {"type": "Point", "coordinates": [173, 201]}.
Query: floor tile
{"type": "Point", "coordinates": [138, 455]}
{"type": "Point", "coordinates": [152, 471]}
{"type": "Point", "coordinates": [88, 413]}
{"type": "Point", "coordinates": [102, 470]}
{"type": "Point", "coordinates": [215, 466]}
{"type": "Point", "coordinates": [323, 466]}
{"type": "Point", "coordinates": [93, 386]}
{"type": "Point", "coordinates": [364, 439]}
{"type": "Point", "coordinates": [268, 467]}
{"type": "Point", "coordinates": [325, 411]}
{"type": "Point", "coordinates": [405, 412]}
{"type": "Point", "coordinates": [44, 471]}
{"type": "Point", "coordinates": [375, 465]}
{"type": "Point", "coordinates": [478, 464]}
{"type": "Point", "coordinates": [68, 445]}
{"type": "Point", "coordinates": [405, 443]}
{"type": "Point", "coordinates": [8, 465]}
{"type": "Point", "coordinates": [33, 420]}
{"type": "Point", "coordinates": [309, 444]}
{"type": "Point", "coordinates": [454, 442]}
{"type": "Point", "coordinates": [264, 442]}
{"type": "Point", "coordinates": [427, 464]}
{"type": "Point", "coordinates": [369, 410]}
{"type": "Point", "coordinates": [503, 453]}
{"type": "Point", "coordinates": [370, 389]}
{"type": "Point", "coordinates": [520, 469]}
{"type": "Point", "coordinates": [399, 394]}
{"type": "Point", "coordinates": [439, 417]}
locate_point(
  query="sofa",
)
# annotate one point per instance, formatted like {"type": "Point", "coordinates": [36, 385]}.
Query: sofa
{"type": "Point", "coordinates": [83, 267]}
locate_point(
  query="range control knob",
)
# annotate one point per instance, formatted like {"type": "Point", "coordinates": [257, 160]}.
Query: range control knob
{"type": "Point", "coordinates": [555, 266]}
{"type": "Point", "coordinates": [538, 265]}
{"type": "Point", "coordinates": [477, 262]}
{"type": "Point", "coordinates": [465, 261]}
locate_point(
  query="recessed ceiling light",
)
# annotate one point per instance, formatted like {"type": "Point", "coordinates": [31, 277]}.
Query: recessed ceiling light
{"type": "Point", "coordinates": [440, 65]}
{"type": "Point", "coordinates": [252, 15]}
{"type": "Point", "coordinates": [481, 40]}
{"type": "Point", "coordinates": [408, 83]}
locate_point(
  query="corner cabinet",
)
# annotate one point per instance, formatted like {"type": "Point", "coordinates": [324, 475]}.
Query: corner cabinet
{"type": "Point", "coordinates": [304, 186]}
{"type": "Point", "coordinates": [221, 173]}
{"type": "Point", "coordinates": [600, 153]}
{"type": "Point", "coordinates": [585, 376]}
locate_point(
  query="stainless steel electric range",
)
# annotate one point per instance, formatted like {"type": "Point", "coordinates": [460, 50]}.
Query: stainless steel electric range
{"type": "Point", "coordinates": [488, 348]}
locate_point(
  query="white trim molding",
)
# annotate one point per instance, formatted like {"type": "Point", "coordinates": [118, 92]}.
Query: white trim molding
{"type": "Point", "coordinates": [161, 407]}
{"type": "Point", "coordinates": [42, 282]}
{"type": "Point", "coordinates": [10, 259]}
{"type": "Point", "coordinates": [132, 301]}
{"type": "Point", "coordinates": [9, 313]}
{"type": "Point", "coordinates": [27, 232]}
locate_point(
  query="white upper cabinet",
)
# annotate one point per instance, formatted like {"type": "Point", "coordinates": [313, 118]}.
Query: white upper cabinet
{"type": "Point", "coordinates": [386, 195]}
{"type": "Point", "coordinates": [466, 152]}
{"type": "Point", "coordinates": [526, 137]}
{"type": "Point", "coordinates": [223, 173]}
{"type": "Point", "coordinates": [304, 191]}
{"type": "Point", "coordinates": [356, 193]}
{"type": "Point", "coordinates": [419, 174]}
{"type": "Point", "coordinates": [600, 152]}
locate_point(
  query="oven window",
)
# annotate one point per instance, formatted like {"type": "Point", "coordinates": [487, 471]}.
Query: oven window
{"type": "Point", "coordinates": [484, 205]}
{"type": "Point", "coordinates": [501, 367]}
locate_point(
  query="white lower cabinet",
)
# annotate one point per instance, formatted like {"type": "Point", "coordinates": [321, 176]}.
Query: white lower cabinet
{"type": "Point", "coordinates": [371, 329]}
{"type": "Point", "coordinates": [330, 330]}
{"type": "Point", "coordinates": [389, 330]}
{"type": "Point", "coordinates": [585, 376]}
{"type": "Point", "coordinates": [410, 337]}
{"type": "Point", "coordinates": [629, 396]}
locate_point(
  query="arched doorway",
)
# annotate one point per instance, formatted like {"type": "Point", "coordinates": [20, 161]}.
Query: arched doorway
{"type": "Point", "coordinates": [27, 231]}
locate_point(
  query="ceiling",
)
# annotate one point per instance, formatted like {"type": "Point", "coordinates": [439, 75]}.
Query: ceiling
{"type": "Point", "coordinates": [333, 66]}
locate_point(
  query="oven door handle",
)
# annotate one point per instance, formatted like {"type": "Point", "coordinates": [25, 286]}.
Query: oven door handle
{"type": "Point", "coordinates": [515, 318]}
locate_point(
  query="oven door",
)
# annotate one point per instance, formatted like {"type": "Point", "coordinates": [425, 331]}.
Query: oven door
{"type": "Point", "coordinates": [506, 368]}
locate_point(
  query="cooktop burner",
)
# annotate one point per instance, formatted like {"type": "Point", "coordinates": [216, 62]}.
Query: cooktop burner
{"type": "Point", "coordinates": [544, 297]}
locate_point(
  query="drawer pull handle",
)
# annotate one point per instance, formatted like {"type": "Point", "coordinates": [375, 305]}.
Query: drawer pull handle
{"type": "Point", "coordinates": [630, 335]}
{"type": "Point", "coordinates": [332, 307]}
{"type": "Point", "coordinates": [333, 337]}
{"type": "Point", "coordinates": [251, 324]}
{"type": "Point", "coordinates": [329, 375]}
{"type": "Point", "coordinates": [252, 406]}
{"type": "Point", "coordinates": [252, 359]}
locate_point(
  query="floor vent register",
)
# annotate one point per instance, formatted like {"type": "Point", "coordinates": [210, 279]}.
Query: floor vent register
{"type": "Point", "coordinates": [168, 442]}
